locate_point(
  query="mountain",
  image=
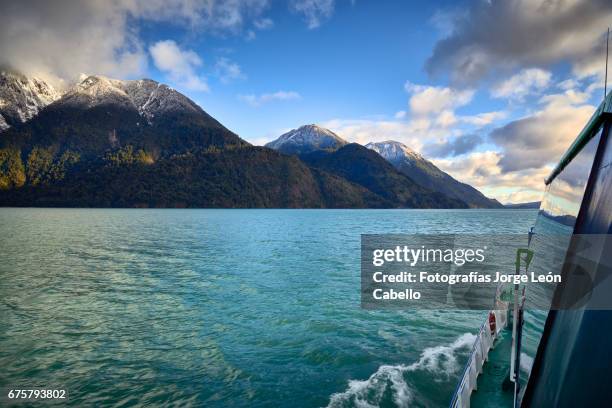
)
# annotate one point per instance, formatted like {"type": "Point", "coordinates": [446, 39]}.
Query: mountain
{"type": "Point", "coordinates": [99, 113]}
{"type": "Point", "coordinates": [149, 98]}
{"type": "Point", "coordinates": [311, 141]}
{"type": "Point", "coordinates": [426, 174]}
{"type": "Point", "coordinates": [21, 98]}
{"type": "Point", "coordinates": [534, 205]}
{"type": "Point", "coordinates": [112, 143]}
{"type": "Point", "coordinates": [364, 167]}
{"type": "Point", "coordinates": [104, 142]}
{"type": "Point", "coordinates": [307, 139]}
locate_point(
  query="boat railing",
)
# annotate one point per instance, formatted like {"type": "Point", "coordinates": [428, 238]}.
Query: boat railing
{"type": "Point", "coordinates": [478, 356]}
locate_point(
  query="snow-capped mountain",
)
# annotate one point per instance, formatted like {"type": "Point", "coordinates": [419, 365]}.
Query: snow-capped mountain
{"type": "Point", "coordinates": [307, 139]}
{"type": "Point", "coordinates": [148, 97]}
{"type": "Point", "coordinates": [98, 113]}
{"type": "Point", "coordinates": [21, 98]}
{"type": "Point", "coordinates": [106, 142]}
{"type": "Point", "coordinates": [425, 173]}
{"type": "Point", "coordinates": [396, 152]}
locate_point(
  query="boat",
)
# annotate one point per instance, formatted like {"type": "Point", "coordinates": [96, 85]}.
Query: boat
{"type": "Point", "coordinates": [552, 350]}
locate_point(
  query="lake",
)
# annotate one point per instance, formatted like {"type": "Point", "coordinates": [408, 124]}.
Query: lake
{"type": "Point", "coordinates": [216, 308]}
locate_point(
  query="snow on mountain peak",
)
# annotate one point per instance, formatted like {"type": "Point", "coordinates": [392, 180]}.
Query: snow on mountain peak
{"type": "Point", "coordinates": [96, 90]}
{"type": "Point", "coordinates": [21, 98]}
{"type": "Point", "coordinates": [394, 151]}
{"type": "Point", "coordinates": [306, 139]}
{"type": "Point", "coordinates": [148, 97]}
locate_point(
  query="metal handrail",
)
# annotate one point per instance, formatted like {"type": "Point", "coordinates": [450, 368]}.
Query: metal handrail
{"type": "Point", "coordinates": [467, 366]}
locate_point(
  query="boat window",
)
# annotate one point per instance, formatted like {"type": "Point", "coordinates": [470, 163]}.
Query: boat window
{"type": "Point", "coordinates": [561, 202]}
{"type": "Point", "coordinates": [553, 229]}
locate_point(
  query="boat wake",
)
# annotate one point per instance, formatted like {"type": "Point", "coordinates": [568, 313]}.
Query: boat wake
{"type": "Point", "coordinates": [370, 392]}
{"type": "Point", "coordinates": [389, 383]}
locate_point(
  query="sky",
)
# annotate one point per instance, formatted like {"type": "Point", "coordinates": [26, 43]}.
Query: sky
{"type": "Point", "coordinates": [492, 92]}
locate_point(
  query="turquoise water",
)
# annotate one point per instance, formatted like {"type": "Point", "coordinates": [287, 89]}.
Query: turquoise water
{"type": "Point", "coordinates": [222, 308]}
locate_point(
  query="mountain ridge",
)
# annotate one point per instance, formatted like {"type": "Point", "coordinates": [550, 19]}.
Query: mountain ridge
{"type": "Point", "coordinates": [139, 143]}
{"type": "Point", "coordinates": [428, 175]}
{"type": "Point", "coordinates": [532, 205]}
{"type": "Point", "coordinates": [365, 167]}
{"type": "Point", "coordinates": [307, 139]}
{"type": "Point", "coordinates": [101, 113]}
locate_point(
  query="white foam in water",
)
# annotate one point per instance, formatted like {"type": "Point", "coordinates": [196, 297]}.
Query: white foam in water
{"type": "Point", "coordinates": [526, 363]}
{"type": "Point", "coordinates": [368, 393]}
{"type": "Point", "coordinates": [442, 359]}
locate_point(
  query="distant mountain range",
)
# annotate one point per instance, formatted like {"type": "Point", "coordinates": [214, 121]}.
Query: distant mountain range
{"type": "Point", "coordinates": [534, 205]}
{"type": "Point", "coordinates": [321, 147]}
{"type": "Point", "coordinates": [112, 143]}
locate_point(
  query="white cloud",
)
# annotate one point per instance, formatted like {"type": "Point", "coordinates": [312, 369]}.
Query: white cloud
{"type": "Point", "coordinates": [474, 169]}
{"type": "Point", "coordinates": [527, 81]}
{"type": "Point", "coordinates": [482, 170]}
{"type": "Point", "coordinates": [520, 196]}
{"type": "Point", "coordinates": [314, 12]}
{"type": "Point", "coordinates": [180, 65]}
{"type": "Point", "coordinates": [55, 39]}
{"type": "Point", "coordinates": [262, 141]}
{"type": "Point", "coordinates": [483, 119]}
{"type": "Point", "coordinates": [258, 100]}
{"type": "Point", "coordinates": [569, 97]}
{"type": "Point", "coordinates": [412, 133]}
{"type": "Point", "coordinates": [430, 125]}
{"type": "Point", "coordinates": [568, 84]}
{"type": "Point", "coordinates": [364, 131]}
{"type": "Point", "coordinates": [228, 71]}
{"type": "Point", "coordinates": [521, 153]}
{"type": "Point", "coordinates": [512, 170]}
{"type": "Point", "coordinates": [446, 119]}
{"type": "Point", "coordinates": [437, 105]}
{"type": "Point", "coordinates": [542, 138]}
{"type": "Point", "coordinates": [220, 16]}
{"type": "Point", "coordinates": [426, 100]}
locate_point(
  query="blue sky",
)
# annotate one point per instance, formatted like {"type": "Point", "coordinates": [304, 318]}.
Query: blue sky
{"type": "Point", "coordinates": [353, 65]}
{"type": "Point", "coordinates": [491, 91]}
